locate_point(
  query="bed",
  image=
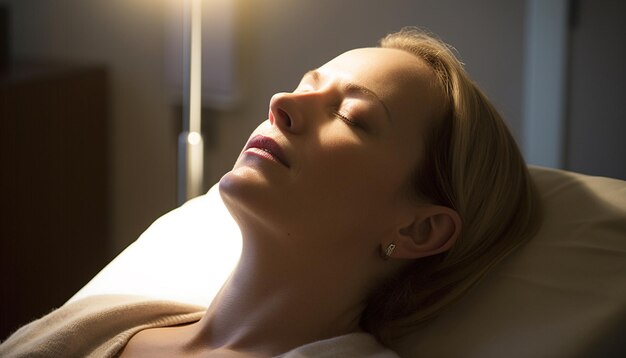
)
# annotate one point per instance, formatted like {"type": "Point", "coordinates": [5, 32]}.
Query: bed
{"type": "Point", "coordinates": [561, 295]}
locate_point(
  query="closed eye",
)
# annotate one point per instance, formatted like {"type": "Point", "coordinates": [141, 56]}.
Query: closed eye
{"type": "Point", "coordinates": [348, 120]}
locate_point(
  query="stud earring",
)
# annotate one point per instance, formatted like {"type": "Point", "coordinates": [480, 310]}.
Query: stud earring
{"type": "Point", "coordinates": [388, 251]}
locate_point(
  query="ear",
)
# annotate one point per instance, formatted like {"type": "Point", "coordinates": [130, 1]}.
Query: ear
{"type": "Point", "coordinates": [433, 229]}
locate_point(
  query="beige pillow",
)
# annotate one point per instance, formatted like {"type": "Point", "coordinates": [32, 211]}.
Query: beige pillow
{"type": "Point", "coordinates": [561, 295]}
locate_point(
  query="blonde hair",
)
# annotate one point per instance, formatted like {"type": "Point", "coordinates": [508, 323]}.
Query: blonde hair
{"type": "Point", "coordinates": [473, 166]}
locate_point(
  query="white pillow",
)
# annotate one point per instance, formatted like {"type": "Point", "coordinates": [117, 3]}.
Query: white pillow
{"type": "Point", "coordinates": [185, 255]}
{"type": "Point", "coordinates": [561, 295]}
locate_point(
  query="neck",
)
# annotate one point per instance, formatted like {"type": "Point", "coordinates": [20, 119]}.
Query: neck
{"type": "Point", "coordinates": [276, 301]}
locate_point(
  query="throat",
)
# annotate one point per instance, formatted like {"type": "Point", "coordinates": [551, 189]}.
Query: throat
{"type": "Point", "coordinates": [268, 311]}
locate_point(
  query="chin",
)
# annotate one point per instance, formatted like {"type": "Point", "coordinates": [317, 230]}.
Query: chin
{"type": "Point", "coordinates": [244, 181]}
{"type": "Point", "coordinates": [247, 195]}
{"type": "Point", "coordinates": [259, 203]}
{"type": "Point", "coordinates": [239, 184]}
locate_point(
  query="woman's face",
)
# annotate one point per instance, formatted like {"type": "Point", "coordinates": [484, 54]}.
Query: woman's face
{"type": "Point", "coordinates": [335, 156]}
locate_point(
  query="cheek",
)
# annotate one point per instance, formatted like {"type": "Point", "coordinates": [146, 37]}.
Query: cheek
{"type": "Point", "coordinates": [352, 194]}
{"type": "Point", "coordinates": [350, 174]}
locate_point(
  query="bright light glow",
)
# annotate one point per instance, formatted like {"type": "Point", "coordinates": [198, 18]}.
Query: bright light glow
{"type": "Point", "coordinates": [195, 164]}
{"type": "Point", "coordinates": [194, 138]}
{"type": "Point", "coordinates": [200, 242]}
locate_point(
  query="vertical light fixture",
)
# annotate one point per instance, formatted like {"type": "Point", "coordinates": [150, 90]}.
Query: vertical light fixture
{"type": "Point", "coordinates": [190, 143]}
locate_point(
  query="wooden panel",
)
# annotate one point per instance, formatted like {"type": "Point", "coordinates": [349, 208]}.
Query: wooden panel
{"type": "Point", "coordinates": [54, 207]}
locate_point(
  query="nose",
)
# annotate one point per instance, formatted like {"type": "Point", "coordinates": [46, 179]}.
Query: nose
{"type": "Point", "coordinates": [290, 111]}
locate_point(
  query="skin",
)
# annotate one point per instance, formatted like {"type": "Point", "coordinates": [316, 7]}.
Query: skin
{"type": "Point", "coordinates": [313, 231]}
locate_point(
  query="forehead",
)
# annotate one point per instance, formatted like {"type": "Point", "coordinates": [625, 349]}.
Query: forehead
{"type": "Point", "coordinates": [403, 81]}
{"type": "Point", "coordinates": [379, 66]}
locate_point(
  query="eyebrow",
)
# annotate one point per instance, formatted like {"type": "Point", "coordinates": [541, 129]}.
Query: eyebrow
{"type": "Point", "coordinates": [353, 87]}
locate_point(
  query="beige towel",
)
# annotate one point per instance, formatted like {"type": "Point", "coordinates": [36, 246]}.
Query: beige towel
{"type": "Point", "coordinates": [100, 326]}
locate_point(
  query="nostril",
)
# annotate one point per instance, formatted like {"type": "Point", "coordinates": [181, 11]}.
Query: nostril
{"type": "Point", "coordinates": [284, 116]}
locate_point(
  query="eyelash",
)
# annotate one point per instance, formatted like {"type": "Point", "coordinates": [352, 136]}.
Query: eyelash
{"type": "Point", "coordinates": [347, 120]}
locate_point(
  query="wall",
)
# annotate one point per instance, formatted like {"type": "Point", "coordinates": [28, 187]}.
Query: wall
{"type": "Point", "coordinates": [597, 92]}
{"type": "Point", "coordinates": [126, 36]}
{"type": "Point", "coordinates": [278, 40]}
{"type": "Point", "coordinates": [283, 39]}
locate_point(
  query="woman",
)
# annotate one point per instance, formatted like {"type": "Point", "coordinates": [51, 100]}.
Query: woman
{"type": "Point", "coordinates": [377, 192]}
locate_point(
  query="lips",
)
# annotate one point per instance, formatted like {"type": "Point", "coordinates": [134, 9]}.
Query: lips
{"type": "Point", "coordinates": [269, 146]}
